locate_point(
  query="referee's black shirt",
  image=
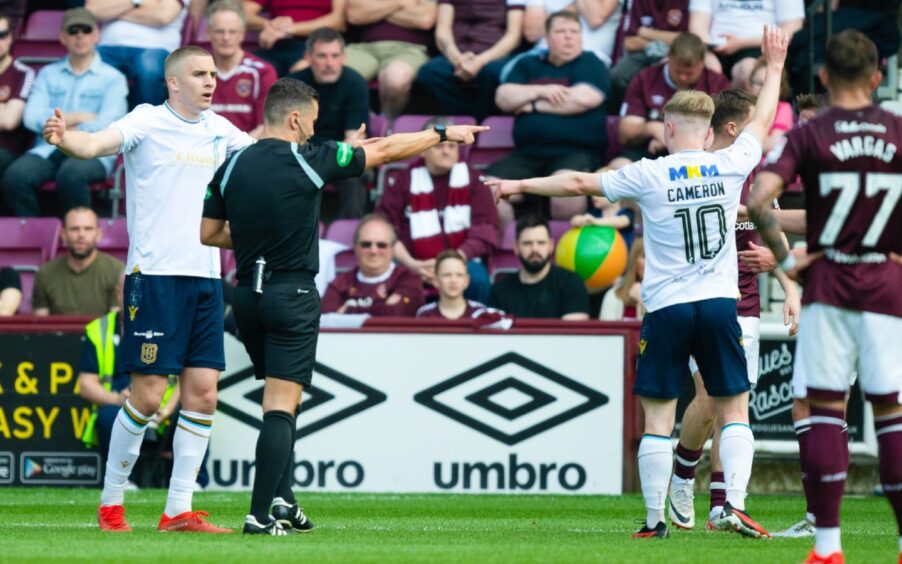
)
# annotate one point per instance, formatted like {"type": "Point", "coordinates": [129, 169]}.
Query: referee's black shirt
{"type": "Point", "coordinates": [271, 196]}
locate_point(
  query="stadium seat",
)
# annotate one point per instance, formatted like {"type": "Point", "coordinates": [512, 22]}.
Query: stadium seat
{"type": "Point", "coordinates": [39, 42]}
{"type": "Point", "coordinates": [493, 144]}
{"type": "Point", "coordinates": [342, 231]}
{"type": "Point", "coordinates": [28, 243]}
{"type": "Point", "coordinates": [378, 126]}
{"type": "Point", "coordinates": [228, 265]}
{"type": "Point", "coordinates": [614, 146]}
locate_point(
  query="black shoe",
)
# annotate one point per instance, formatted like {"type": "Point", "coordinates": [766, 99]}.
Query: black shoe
{"type": "Point", "coordinates": [291, 517]}
{"type": "Point", "coordinates": [253, 527]}
{"type": "Point", "coordinates": [658, 532]}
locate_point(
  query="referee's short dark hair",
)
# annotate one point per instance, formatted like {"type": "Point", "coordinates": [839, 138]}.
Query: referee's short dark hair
{"type": "Point", "coordinates": [284, 96]}
{"type": "Point", "coordinates": [324, 35]}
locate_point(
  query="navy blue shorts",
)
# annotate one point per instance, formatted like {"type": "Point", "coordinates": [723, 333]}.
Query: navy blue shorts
{"type": "Point", "coordinates": [707, 330]}
{"type": "Point", "coordinates": [172, 322]}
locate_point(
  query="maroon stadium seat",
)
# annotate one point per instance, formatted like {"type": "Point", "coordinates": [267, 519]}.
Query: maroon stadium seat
{"type": "Point", "coordinates": [378, 126]}
{"type": "Point", "coordinates": [614, 147]}
{"type": "Point", "coordinates": [228, 264]}
{"type": "Point", "coordinates": [39, 41]}
{"type": "Point", "coordinates": [495, 143]}
{"type": "Point", "coordinates": [114, 187]}
{"type": "Point", "coordinates": [342, 231]}
{"type": "Point", "coordinates": [25, 245]}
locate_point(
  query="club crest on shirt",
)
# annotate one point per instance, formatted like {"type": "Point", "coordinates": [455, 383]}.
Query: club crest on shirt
{"type": "Point", "coordinates": [674, 17]}
{"type": "Point", "coordinates": [132, 312]}
{"type": "Point", "coordinates": [243, 87]}
{"type": "Point", "coordinates": [149, 352]}
{"type": "Point", "coordinates": [642, 344]}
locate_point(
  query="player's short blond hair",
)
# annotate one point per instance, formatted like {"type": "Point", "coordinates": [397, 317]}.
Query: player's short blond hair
{"type": "Point", "coordinates": [177, 57]}
{"type": "Point", "coordinates": [690, 104]}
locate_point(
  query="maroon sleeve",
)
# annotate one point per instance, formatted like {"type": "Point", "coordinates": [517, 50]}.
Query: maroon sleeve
{"type": "Point", "coordinates": [717, 82]}
{"type": "Point", "coordinates": [482, 236]}
{"type": "Point", "coordinates": [631, 19]}
{"type": "Point", "coordinates": [634, 101]}
{"type": "Point", "coordinates": [392, 205]}
{"type": "Point", "coordinates": [410, 287]}
{"type": "Point", "coordinates": [785, 158]}
{"type": "Point", "coordinates": [334, 297]}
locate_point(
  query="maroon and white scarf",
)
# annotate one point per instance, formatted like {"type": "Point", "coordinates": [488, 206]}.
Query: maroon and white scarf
{"type": "Point", "coordinates": [429, 234]}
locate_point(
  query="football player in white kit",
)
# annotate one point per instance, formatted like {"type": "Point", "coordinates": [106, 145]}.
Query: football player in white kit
{"type": "Point", "coordinates": [173, 292]}
{"type": "Point", "coordinates": [689, 201]}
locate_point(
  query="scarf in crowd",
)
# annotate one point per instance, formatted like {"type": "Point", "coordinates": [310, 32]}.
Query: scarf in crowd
{"type": "Point", "coordinates": [431, 235]}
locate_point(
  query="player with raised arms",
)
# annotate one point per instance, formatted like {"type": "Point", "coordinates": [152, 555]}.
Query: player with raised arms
{"type": "Point", "coordinates": [689, 201]}
{"type": "Point", "coordinates": [173, 293]}
{"type": "Point", "coordinates": [848, 160]}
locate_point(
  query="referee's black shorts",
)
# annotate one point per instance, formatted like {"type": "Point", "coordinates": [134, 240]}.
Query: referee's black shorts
{"type": "Point", "coordinates": [280, 327]}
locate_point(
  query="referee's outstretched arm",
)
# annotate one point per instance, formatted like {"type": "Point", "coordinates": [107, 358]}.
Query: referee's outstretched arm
{"type": "Point", "coordinates": [402, 146]}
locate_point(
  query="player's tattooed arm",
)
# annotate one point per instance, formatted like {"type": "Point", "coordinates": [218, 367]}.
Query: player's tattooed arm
{"type": "Point", "coordinates": [766, 189]}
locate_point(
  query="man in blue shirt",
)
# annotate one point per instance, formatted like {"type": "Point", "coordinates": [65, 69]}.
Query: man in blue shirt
{"type": "Point", "coordinates": [91, 94]}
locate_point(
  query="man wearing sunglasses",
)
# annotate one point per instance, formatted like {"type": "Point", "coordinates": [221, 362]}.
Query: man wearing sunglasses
{"type": "Point", "coordinates": [16, 81]}
{"type": "Point", "coordinates": [378, 286]}
{"type": "Point", "coordinates": [91, 95]}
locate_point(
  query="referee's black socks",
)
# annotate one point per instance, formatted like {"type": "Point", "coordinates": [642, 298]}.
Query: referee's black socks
{"type": "Point", "coordinates": [274, 446]}
{"type": "Point", "coordinates": [287, 482]}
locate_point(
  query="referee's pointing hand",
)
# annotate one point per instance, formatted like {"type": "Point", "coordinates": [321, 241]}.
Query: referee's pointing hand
{"type": "Point", "coordinates": [464, 134]}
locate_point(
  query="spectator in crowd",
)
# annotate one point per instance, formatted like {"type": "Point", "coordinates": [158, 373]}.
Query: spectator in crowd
{"type": "Point", "coordinates": [377, 286]}
{"type": "Point", "coordinates": [809, 105]}
{"type": "Point", "coordinates": [10, 291]}
{"type": "Point", "coordinates": [343, 107]}
{"type": "Point", "coordinates": [609, 214]}
{"type": "Point", "coordinates": [136, 39]}
{"type": "Point", "coordinates": [733, 30]}
{"type": "Point", "coordinates": [243, 79]}
{"type": "Point", "coordinates": [283, 33]}
{"type": "Point", "coordinates": [558, 99]}
{"type": "Point", "coordinates": [599, 22]}
{"type": "Point", "coordinates": [877, 19]}
{"type": "Point", "coordinates": [475, 38]}
{"type": "Point", "coordinates": [84, 281]}
{"type": "Point", "coordinates": [91, 94]}
{"type": "Point", "coordinates": [624, 299]}
{"type": "Point", "coordinates": [649, 27]}
{"type": "Point", "coordinates": [451, 282]}
{"type": "Point", "coordinates": [784, 119]}
{"type": "Point", "coordinates": [540, 289]}
{"type": "Point", "coordinates": [15, 11]}
{"type": "Point", "coordinates": [391, 41]}
{"type": "Point", "coordinates": [16, 81]}
{"type": "Point", "coordinates": [104, 382]}
{"type": "Point", "coordinates": [641, 128]}
{"type": "Point", "coordinates": [442, 204]}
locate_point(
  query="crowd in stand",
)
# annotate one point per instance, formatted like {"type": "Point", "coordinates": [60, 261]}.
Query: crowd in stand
{"type": "Point", "coordinates": [568, 75]}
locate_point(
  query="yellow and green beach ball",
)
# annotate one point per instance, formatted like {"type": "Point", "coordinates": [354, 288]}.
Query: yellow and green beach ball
{"type": "Point", "coordinates": [597, 254]}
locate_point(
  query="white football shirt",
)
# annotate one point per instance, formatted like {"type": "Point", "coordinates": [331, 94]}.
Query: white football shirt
{"type": "Point", "coordinates": [168, 163]}
{"type": "Point", "coordinates": [689, 201]}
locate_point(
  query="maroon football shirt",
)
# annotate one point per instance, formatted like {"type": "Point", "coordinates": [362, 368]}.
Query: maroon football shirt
{"type": "Point", "coordinates": [850, 168]}
{"type": "Point", "coordinates": [749, 304]}
{"type": "Point", "coordinates": [372, 297]}
{"type": "Point", "coordinates": [652, 88]}
{"type": "Point", "coordinates": [664, 15]}
{"type": "Point", "coordinates": [240, 94]}
{"type": "Point", "coordinates": [15, 84]}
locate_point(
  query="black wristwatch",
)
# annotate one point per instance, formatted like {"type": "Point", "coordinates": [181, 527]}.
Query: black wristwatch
{"type": "Point", "coordinates": [442, 131]}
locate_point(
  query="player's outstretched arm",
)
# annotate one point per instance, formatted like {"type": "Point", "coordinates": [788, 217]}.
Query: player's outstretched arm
{"type": "Point", "coordinates": [773, 45]}
{"type": "Point", "coordinates": [80, 144]}
{"type": "Point", "coordinates": [402, 146]}
{"type": "Point", "coordinates": [569, 184]}
{"type": "Point", "coordinates": [767, 188]}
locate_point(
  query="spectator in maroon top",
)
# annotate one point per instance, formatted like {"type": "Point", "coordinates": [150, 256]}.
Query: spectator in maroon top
{"type": "Point", "coordinates": [390, 43]}
{"type": "Point", "coordinates": [452, 281]}
{"type": "Point", "coordinates": [16, 80]}
{"type": "Point", "coordinates": [441, 204]}
{"type": "Point", "coordinates": [649, 27]}
{"type": "Point", "coordinates": [283, 32]}
{"type": "Point", "coordinates": [641, 127]}
{"type": "Point", "coordinates": [378, 286]}
{"type": "Point", "coordinates": [475, 38]}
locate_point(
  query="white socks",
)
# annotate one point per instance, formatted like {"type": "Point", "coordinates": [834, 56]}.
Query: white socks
{"type": "Point", "coordinates": [188, 448]}
{"type": "Point", "coordinates": [125, 446]}
{"type": "Point", "coordinates": [655, 465]}
{"type": "Point", "coordinates": [737, 451]}
{"type": "Point", "coordinates": [826, 540]}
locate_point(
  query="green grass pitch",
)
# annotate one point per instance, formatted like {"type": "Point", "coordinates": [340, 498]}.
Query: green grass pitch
{"type": "Point", "coordinates": [42, 525]}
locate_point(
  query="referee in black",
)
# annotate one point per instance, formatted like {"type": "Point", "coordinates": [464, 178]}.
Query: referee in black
{"type": "Point", "coordinates": [265, 202]}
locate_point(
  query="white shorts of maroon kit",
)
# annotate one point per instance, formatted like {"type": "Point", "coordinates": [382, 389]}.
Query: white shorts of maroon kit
{"type": "Point", "coordinates": [837, 345]}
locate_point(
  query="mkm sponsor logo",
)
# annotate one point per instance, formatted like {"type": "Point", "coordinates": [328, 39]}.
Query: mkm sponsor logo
{"type": "Point", "coordinates": [690, 172]}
